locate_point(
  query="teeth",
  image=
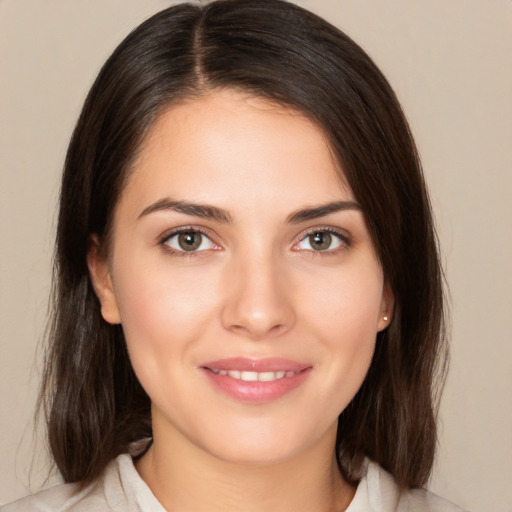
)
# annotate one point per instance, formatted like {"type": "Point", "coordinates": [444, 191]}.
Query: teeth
{"type": "Point", "coordinates": [249, 376]}
{"type": "Point", "coordinates": [255, 376]}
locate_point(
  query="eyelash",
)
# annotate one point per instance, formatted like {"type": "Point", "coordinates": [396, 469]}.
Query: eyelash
{"type": "Point", "coordinates": [163, 242]}
{"type": "Point", "coordinates": [345, 241]}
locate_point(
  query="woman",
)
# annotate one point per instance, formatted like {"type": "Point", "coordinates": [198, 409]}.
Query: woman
{"type": "Point", "coordinates": [248, 298]}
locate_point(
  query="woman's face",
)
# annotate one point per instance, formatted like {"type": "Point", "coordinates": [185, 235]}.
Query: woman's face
{"type": "Point", "coordinates": [245, 279]}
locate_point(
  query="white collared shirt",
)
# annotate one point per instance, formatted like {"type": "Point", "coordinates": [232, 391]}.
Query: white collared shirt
{"type": "Point", "coordinates": [121, 489]}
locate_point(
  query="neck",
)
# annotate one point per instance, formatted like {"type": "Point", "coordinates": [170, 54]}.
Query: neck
{"type": "Point", "coordinates": [184, 479]}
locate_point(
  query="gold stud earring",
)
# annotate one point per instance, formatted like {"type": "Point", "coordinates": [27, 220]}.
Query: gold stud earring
{"type": "Point", "coordinates": [385, 318]}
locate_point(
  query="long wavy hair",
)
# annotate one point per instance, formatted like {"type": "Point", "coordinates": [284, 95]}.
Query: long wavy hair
{"type": "Point", "coordinates": [92, 400]}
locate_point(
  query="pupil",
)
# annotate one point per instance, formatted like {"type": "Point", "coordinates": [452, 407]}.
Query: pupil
{"type": "Point", "coordinates": [321, 241]}
{"type": "Point", "coordinates": [189, 241]}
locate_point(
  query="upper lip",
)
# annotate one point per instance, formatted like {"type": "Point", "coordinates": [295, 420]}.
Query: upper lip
{"type": "Point", "coordinates": [244, 364]}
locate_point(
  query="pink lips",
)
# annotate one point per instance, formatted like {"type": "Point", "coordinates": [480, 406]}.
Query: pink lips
{"type": "Point", "coordinates": [256, 380]}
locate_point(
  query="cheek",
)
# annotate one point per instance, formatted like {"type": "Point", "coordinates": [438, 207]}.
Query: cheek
{"type": "Point", "coordinates": [346, 302]}
{"type": "Point", "coordinates": [162, 313]}
{"type": "Point", "coordinates": [344, 315]}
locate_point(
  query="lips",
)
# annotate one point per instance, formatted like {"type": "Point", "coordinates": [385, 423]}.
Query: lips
{"type": "Point", "coordinates": [256, 380]}
{"type": "Point", "coordinates": [241, 364]}
{"type": "Point", "coordinates": [255, 376]}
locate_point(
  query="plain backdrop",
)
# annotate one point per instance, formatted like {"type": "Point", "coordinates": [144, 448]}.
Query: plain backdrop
{"type": "Point", "coordinates": [450, 63]}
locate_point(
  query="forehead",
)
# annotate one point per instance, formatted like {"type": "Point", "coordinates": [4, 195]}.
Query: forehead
{"type": "Point", "coordinates": [232, 147]}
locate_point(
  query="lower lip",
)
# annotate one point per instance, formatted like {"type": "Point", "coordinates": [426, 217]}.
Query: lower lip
{"type": "Point", "coordinates": [256, 392]}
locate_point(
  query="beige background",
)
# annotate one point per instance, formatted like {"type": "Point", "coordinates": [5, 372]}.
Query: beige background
{"type": "Point", "coordinates": [449, 61]}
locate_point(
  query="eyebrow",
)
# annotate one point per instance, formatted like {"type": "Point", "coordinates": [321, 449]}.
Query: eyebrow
{"type": "Point", "coordinates": [196, 209]}
{"type": "Point", "coordinates": [213, 212]}
{"type": "Point", "coordinates": [322, 210]}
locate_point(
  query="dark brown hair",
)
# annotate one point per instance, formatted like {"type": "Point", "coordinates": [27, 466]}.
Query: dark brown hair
{"type": "Point", "coordinates": [93, 402]}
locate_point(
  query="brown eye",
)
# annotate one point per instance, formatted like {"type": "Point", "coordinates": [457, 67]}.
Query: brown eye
{"type": "Point", "coordinates": [189, 241]}
{"type": "Point", "coordinates": [320, 241]}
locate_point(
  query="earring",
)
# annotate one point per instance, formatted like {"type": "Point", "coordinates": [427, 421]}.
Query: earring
{"type": "Point", "coordinates": [385, 318]}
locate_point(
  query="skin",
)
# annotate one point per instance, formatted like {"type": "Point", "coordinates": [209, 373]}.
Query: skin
{"type": "Point", "coordinates": [256, 287]}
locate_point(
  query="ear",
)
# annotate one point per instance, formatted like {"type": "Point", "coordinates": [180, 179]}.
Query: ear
{"type": "Point", "coordinates": [99, 271]}
{"type": "Point", "coordinates": [386, 307]}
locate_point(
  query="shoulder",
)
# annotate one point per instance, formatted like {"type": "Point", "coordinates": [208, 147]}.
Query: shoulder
{"type": "Point", "coordinates": [378, 492]}
{"type": "Point", "coordinates": [421, 499]}
{"type": "Point", "coordinates": [67, 498]}
{"type": "Point", "coordinates": [50, 499]}
{"type": "Point", "coordinates": [120, 489]}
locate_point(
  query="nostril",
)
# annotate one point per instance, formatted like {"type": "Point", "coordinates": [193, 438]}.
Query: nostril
{"type": "Point", "coordinates": [257, 305]}
{"type": "Point", "coordinates": [258, 332]}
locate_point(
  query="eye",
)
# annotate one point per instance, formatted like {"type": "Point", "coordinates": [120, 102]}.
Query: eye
{"type": "Point", "coordinates": [322, 240]}
{"type": "Point", "coordinates": [189, 241]}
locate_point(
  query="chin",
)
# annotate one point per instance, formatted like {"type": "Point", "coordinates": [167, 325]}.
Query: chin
{"type": "Point", "coordinates": [265, 442]}
{"type": "Point", "coordinates": [254, 454]}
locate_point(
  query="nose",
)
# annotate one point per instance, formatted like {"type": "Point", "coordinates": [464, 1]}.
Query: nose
{"type": "Point", "coordinates": [259, 299]}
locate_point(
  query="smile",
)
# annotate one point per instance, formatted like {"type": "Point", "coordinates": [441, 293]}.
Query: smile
{"type": "Point", "coordinates": [248, 376]}
{"type": "Point", "coordinates": [256, 381]}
